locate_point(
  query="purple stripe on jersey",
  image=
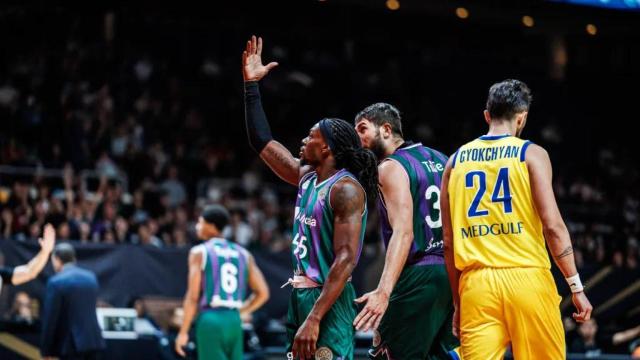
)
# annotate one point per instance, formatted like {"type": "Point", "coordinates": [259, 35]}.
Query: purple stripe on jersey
{"type": "Point", "coordinates": [301, 191]}
{"type": "Point", "coordinates": [385, 227]}
{"type": "Point", "coordinates": [214, 268]}
{"type": "Point", "coordinates": [423, 183]}
{"type": "Point", "coordinates": [203, 286]}
{"type": "Point", "coordinates": [313, 270]}
{"type": "Point", "coordinates": [430, 260]}
{"type": "Point", "coordinates": [241, 277]}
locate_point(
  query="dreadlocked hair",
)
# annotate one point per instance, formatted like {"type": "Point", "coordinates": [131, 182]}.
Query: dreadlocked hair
{"type": "Point", "coordinates": [349, 154]}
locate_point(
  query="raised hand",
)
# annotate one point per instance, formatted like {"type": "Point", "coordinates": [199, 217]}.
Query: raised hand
{"type": "Point", "coordinates": [252, 67]}
{"type": "Point", "coordinates": [48, 240]}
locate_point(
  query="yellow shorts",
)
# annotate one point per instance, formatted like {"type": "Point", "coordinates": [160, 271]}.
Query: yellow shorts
{"type": "Point", "coordinates": [520, 306]}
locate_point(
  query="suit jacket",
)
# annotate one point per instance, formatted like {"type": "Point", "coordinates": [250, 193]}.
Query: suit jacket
{"type": "Point", "coordinates": [69, 321]}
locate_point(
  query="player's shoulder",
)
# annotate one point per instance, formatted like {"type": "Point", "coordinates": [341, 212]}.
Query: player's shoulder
{"type": "Point", "coordinates": [534, 152]}
{"type": "Point", "coordinates": [389, 169]}
{"type": "Point", "coordinates": [347, 184]}
{"type": "Point", "coordinates": [241, 249]}
{"type": "Point", "coordinates": [198, 251]}
{"type": "Point", "coordinates": [345, 191]}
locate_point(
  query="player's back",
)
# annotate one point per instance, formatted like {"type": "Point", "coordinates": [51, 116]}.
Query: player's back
{"type": "Point", "coordinates": [225, 274]}
{"type": "Point", "coordinates": [424, 167]}
{"type": "Point", "coordinates": [495, 223]}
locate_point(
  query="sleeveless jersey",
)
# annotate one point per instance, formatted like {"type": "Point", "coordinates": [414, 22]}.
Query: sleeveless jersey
{"type": "Point", "coordinates": [424, 166]}
{"type": "Point", "coordinates": [312, 249]}
{"type": "Point", "coordinates": [225, 274]}
{"type": "Point", "coordinates": [495, 223]}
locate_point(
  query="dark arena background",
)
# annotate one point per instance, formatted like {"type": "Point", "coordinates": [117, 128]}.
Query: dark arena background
{"type": "Point", "coordinates": [120, 122]}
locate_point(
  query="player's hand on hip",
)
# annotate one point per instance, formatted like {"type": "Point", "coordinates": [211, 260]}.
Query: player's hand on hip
{"type": "Point", "coordinates": [181, 342]}
{"type": "Point", "coordinates": [377, 302]}
{"type": "Point", "coordinates": [304, 344]}
{"type": "Point", "coordinates": [455, 322]}
{"type": "Point", "coordinates": [252, 67]}
{"type": "Point", "coordinates": [583, 306]}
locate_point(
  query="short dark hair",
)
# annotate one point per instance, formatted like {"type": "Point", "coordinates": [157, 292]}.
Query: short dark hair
{"type": "Point", "coordinates": [508, 98]}
{"type": "Point", "coordinates": [65, 253]}
{"type": "Point", "coordinates": [381, 113]}
{"type": "Point", "coordinates": [216, 215]}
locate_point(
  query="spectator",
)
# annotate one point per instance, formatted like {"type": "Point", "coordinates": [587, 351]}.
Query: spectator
{"type": "Point", "coordinates": [146, 237]}
{"type": "Point", "coordinates": [144, 324]}
{"type": "Point", "coordinates": [587, 342]}
{"type": "Point", "coordinates": [592, 344]}
{"type": "Point", "coordinates": [174, 187]}
{"type": "Point", "coordinates": [121, 230]}
{"type": "Point", "coordinates": [22, 310]}
{"type": "Point", "coordinates": [238, 230]}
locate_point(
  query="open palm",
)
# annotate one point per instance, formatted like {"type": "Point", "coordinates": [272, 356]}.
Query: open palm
{"type": "Point", "coordinates": [252, 67]}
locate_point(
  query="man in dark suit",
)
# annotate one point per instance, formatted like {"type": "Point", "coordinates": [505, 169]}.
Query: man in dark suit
{"type": "Point", "coordinates": [70, 327]}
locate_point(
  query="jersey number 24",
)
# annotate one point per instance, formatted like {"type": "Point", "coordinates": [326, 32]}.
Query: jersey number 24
{"type": "Point", "coordinates": [501, 192]}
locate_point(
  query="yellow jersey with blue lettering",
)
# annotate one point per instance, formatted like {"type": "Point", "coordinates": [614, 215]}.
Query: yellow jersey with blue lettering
{"type": "Point", "coordinates": [495, 223]}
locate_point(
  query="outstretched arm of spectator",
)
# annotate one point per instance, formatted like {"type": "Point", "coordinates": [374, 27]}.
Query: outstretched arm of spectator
{"type": "Point", "coordinates": [258, 286]}
{"type": "Point", "coordinates": [29, 271]}
{"type": "Point", "coordinates": [627, 335]}
{"type": "Point", "coordinates": [554, 229]}
{"type": "Point", "coordinates": [277, 157]}
{"type": "Point", "coordinates": [190, 303]}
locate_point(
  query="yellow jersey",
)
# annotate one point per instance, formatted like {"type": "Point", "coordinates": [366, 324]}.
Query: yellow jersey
{"type": "Point", "coordinates": [495, 223]}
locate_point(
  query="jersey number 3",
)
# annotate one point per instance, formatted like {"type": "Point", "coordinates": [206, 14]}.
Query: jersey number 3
{"type": "Point", "coordinates": [501, 192]}
{"type": "Point", "coordinates": [437, 222]}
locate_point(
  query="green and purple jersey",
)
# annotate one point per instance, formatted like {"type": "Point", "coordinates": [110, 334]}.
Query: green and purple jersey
{"type": "Point", "coordinates": [225, 274]}
{"type": "Point", "coordinates": [312, 249]}
{"type": "Point", "coordinates": [425, 167]}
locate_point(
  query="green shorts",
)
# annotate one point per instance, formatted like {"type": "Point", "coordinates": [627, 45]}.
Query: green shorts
{"type": "Point", "coordinates": [219, 334]}
{"type": "Point", "coordinates": [336, 328]}
{"type": "Point", "coordinates": [417, 323]}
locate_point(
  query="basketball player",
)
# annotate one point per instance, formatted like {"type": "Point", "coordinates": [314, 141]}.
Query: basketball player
{"type": "Point", "coordinates": [334, 176]}
{"type": "Point", "coordinates": [220, 273]}
{"type": "Point", "coordinates": [414, 284]}
{"type": "Point", "coordinates": [497, 210]}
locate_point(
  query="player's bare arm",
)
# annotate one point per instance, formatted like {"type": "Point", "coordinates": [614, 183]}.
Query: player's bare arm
{"type": "Point", "coordinates": [395, 188]}
{"type": "Point", "coordinates": [190, 302]}
{"type": "Point", "coordinates": [277, 157]}
{"type": "Point", "coordinates": [259, 289]}
{"type": "Point", "coordinates": [29, 271]}
{"type": "Point", "coordinates": [347, 200]}
{"type": "Point", "coordinates": [554, 229]}
{"type": "Point", "coordinates": [447, 234]}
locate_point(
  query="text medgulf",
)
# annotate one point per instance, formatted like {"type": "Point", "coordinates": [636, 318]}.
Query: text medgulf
{"type": "Point", "coordinates": [509, 228]}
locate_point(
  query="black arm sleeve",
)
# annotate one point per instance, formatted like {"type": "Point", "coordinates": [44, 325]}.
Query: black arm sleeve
{"type": "Point", "coordinates": [258, 129]}
{"type": "Point", "coordinates": [6, 273]}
